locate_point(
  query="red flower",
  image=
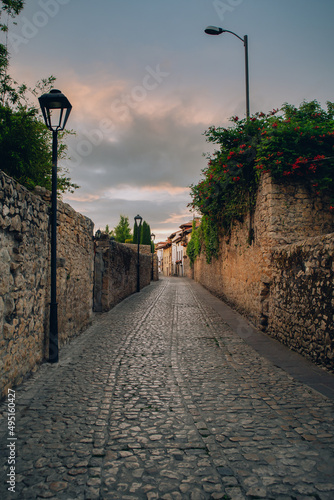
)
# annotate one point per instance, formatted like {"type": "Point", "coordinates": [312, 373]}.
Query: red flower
{"type": "Point", "coordinates": [236, 179]}
{"type": "Point", "coordinates": [273, 112]}
{"type": "Point", "coordinates": [275, 125]}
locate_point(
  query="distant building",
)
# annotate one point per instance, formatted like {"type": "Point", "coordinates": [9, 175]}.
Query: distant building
{"type": "Point", "coordinates": [172, 254]}
{"type": "Point", "coordinates": [160, 252]}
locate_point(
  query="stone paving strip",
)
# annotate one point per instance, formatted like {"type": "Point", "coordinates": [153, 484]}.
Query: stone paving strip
{"type": "Point", "coordinates": [160, 399]}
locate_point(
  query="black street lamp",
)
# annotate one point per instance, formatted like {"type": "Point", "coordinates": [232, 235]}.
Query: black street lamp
{"type": "Point", "coordinates": [56, 109]}
{"type": "Point", "coordinates": [152, 248]}
{"type": "Point", "coordinates": [214, 30]}
{"type": "Point", "coordinates": [138, 221]}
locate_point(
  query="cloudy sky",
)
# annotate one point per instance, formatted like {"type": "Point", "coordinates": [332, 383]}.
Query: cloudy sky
{"type": "Point", "coordinates": [145, 82]}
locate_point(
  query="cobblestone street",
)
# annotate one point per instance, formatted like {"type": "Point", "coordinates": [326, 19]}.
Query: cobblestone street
{"type": "Point", "coordinates": [162, 399]}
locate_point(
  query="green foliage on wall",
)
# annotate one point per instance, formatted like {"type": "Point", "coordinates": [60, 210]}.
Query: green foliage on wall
{"type": "Point", "coordinates": [205, 237]}
{"type": "Point", "coordinates": [295, 145]}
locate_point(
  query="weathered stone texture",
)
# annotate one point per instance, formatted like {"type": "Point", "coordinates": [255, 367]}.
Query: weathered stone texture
{"type": "Point", "coordinates": [247, 276]}
{"type": "Point", "coordinates": [25, 277]}
{"type": "Point", "coordinates": [146, 250]}
{"type": "Point", "coordinates": [24, 247]}
{"type": "Point", "coordinates": [75, 272]}
{"type": "Point", "coordinates": [116, 272]}
{"type": "Point", "coordinates": [301, 307]}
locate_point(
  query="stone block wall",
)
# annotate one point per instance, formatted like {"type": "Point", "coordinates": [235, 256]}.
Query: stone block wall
{"type": "Point", "coordinates": [23, 280]}
{"type": "Point", "coordinates": [75, 272]}
{"type": "Point", "coordinates": [25, 277]}
{"type": "Point", "coordinates": [187, 267]}
{"type": "Point", "coordinates": [243, 274]}
{"type": "Point", "coordinates": [239, 273]}
{"type": "Point", "coordinates": [146, 249]}
{"type": "Point", "coordinates": [301, 301]}
{"type": "Point", "coordinates": [116, 272]}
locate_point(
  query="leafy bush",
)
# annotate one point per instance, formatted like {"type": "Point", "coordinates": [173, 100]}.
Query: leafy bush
{"type": "Point", "coordinates": [296, 145]}
{"type": "Point", "coordinates": [26, 149]}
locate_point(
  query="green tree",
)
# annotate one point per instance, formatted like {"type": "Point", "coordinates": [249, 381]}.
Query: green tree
{"type": "Point", "coordinates": [108, 231]}
{"type": "Point", "coordinates": [25, 142]}
{"type": "Point", "coordinates": [26, 149]}
{"type": "Point", "coordinates": [135, 234]}
{"type": "Point", "coordinates": [11, 8]}
{"type": "Point", "coordinates": [122, 231]}
{"type": "Point", "coordinates": [145, 237]}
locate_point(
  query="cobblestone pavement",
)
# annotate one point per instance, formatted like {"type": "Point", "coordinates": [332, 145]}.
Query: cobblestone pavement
{"type": "Point", "coordinates": [160, 399]}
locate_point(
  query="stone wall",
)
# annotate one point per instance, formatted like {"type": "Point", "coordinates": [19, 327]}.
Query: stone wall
{"type": "Point", "coordinates": [116, 272]}
{"type": "Point", "coordinates": [301, 303]}
{"type": "Point", "coordinates": [146, 249]}
{"type": "Point", "coordinates": [75, 272]}
{"type": "Point", "coordinates": [187, 267]}
{"type": "Point", "coordinates": [25, 277]}
{"type": "Point", "coordinates": [23, 280]}
{"type": "Point", "coordinates": [243, 274]}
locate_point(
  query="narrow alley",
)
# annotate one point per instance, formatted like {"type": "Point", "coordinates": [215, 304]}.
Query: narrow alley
{"type": "Point", "coordinates": [162, 398]}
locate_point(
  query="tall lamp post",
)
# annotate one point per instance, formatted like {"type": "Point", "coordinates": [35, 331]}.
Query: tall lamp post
{"type": "Point", "coordinates": [152, 245]}
{"type": "Point", "coordinates": [214, 30]}
{"type": "Point", "coordinates": [56, 109]}
{"type": "Point", "coordinates": [138, 221]}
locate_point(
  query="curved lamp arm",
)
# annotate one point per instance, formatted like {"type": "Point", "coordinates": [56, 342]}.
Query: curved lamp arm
{"type": "Point", "coordinates": [215, 30]}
